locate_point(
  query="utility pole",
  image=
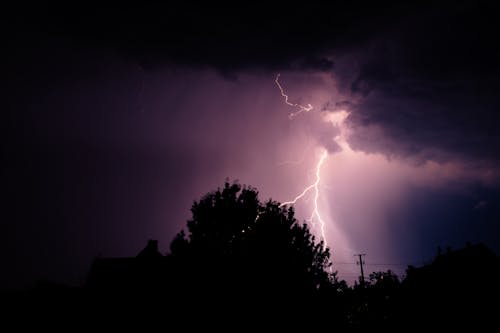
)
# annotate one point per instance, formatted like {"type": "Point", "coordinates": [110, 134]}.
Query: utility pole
{"type": "Point", "coordinates": [360, 263]}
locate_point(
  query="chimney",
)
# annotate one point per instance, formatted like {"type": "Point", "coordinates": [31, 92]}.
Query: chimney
{"type": "Point", "coordinates": [150, 251]}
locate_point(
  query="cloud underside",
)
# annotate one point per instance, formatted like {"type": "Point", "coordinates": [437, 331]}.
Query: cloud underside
{"type": "Point", "coordinates": [421, 78]}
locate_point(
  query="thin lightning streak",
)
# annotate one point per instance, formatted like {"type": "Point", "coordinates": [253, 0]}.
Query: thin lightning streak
{"type": "Point", "coordinates": [307, 189]}
{"type": "Point", "coordinates": [314, 186]}
{"type": "Point", "coordinates": [316, 196]}
{"type": "Point", "coordinates": [302, 108]}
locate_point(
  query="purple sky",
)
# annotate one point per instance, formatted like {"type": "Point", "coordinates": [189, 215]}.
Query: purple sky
{"type": "Point", "coordinates": [106, 150]}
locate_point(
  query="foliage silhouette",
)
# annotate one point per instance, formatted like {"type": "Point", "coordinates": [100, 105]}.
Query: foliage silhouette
{"type": "Point", "coordinates": [375, 301]}
{"type": "Point", "coordinates": [458, 289]}
{"type": "Point", "coordinates": [238, 246]}
{"type": "Point", "coordinates": [244, 261]}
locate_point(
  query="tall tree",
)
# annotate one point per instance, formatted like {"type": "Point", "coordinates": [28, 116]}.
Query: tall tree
{"type": "Point", "coordinates": [238, 244]}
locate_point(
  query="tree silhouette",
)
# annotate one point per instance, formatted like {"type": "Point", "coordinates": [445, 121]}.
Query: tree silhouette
{"type": "Point", "coordinates": [239, 246]}
{"type": "Point", "coordinates": [386, 281]}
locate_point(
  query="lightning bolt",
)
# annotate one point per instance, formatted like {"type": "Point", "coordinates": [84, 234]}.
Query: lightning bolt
{"type": "Point", "coordinates": [301, 108]}
{"type": "Point", "coordinates": [315, 185]}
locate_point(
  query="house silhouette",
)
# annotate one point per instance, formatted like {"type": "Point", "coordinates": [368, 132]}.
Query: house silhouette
{"type": "Point", "coordinates": [146, 271]}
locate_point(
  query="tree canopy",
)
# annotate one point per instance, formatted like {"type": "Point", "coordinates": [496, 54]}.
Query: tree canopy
{"type": "Point", "coordinates": [236, 243]}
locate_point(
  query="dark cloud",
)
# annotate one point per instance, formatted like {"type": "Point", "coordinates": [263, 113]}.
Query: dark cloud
{"type": "Point", "coordinates": [425, 75]}
{"type": "Point", "coordinates": [227, 36]}
{"type": "Point", "coordinates": [320, 64]}
{"type": "Point", "coordinates": [427, 87]}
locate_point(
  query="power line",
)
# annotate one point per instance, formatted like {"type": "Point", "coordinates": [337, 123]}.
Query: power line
{"type": "Point", "coordinates": [388, 264]}
{"type": "Point", "coordinates": [361, 262]}
{"type": "Point", "coordinates": [370, 264]}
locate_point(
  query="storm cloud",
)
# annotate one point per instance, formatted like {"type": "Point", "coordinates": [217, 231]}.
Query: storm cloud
{"type": "Point", "coordinates": [117, 117]}
{"type": "Point", "coordinates": [429, 86]}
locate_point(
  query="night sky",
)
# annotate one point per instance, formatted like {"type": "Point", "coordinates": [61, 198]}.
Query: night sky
{"type": "Point", "coordinates": [116, 118]}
